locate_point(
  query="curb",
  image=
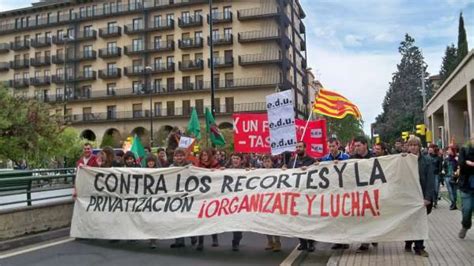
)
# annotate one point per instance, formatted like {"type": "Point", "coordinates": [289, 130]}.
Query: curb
{"type": "Point", "coordinates": [33, 239]}
{"type": "Point", "coordinates": [295, 258]}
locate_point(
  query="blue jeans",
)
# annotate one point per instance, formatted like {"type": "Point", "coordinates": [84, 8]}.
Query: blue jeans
{"type": "Point", "coordinates": [467, 206]}
{"type": "Point", "coordinates": [452, 190]}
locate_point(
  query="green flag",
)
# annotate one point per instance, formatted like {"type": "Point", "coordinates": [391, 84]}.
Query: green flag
{"type": "Point", "coordinates": [193, 125]}
{"type": "Point", "coordinates": [138, 150]}
{"type": "Point", "coordinates": [213, 130]}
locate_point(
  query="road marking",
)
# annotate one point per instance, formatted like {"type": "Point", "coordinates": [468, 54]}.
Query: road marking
{"type": "Point", "coordinates": [23, 250]}
{"type": "Point", "coordinates": [292, 258]}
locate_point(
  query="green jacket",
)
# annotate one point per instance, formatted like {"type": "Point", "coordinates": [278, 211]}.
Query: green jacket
{"type": "Point", "coordinates": [425, 169]}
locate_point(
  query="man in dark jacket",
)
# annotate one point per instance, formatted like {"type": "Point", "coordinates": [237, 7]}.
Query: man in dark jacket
{"type": "Point", "coordinates": [302, 160]}
{"type": "Point", "coordinates": [425, 170]}
{"type": "Point", "coordinates": [466, 185]}
{"type": "Point", "coordinates": [437, 162]}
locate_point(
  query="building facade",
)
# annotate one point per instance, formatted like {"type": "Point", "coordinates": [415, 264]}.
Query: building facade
{"type": "Point", "coordinates": [124, 67]}
{"type": "Point", "coordinates": [450, 112]}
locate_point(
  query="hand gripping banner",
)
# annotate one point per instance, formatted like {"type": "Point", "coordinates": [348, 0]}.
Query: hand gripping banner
{"type": "Point", "coordinates": [371, 200]}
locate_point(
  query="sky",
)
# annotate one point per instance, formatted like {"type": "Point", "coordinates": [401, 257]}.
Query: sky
{"type": "Point", "coordinates": [352, 45]}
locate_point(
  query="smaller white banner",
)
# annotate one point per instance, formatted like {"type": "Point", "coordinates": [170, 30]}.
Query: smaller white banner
{"type": "Point", "coordinates": [185, 142]}
{"type": "Point", "coordinates": [281, 121]}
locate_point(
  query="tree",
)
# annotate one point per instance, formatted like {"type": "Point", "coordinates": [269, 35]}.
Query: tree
{"type": "Point", "coordinates": [462, 40]}
{"type": "Point", "coordinates": [402, 105]}
{"type": "Point", "coordinates": [344, 129]}
{"type": "Point", "coordinates": [28, 131]}
{"type": "Point", "coordinates": [449, 63]}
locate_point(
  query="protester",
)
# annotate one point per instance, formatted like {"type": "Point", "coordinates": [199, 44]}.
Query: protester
{"type": "Point", "coordinates": [87, 158]}
{"type": "Point", "coordinates": [162, 160]}
{"type": "Point", "coordinates": [206, 160]}
{"type": "Point", "coordinates": [361, 151]}
{"type": "Point", "coordinates": [335, 154]}
{"type": "Point", "coordinates": [179, 160]}
{"type": "Point", "coordinates": [129, 160]}
{"type": "Point", "coordinates": [273, 241]}
{"type": "Point", "coordinates": [425, 170]}
{"type": "Point", "coordinates": [302, 160]}
{"type": "Point", "coordinates": [466, 186]}
{"type": "Point", "coordinates": [105, 158]}
{"type": "Point", "coordinates": [398, 147]}
{"type": "Point", "coordinates": [450, 165]}
{"type": "Point", "coordinates": [236, 162]}
{"type": "Point", "coordinates": [437, 163]}
{"type": "Point", "coordinates": [152, 161]}
{"type": "Point", "coordinates": [380, 149]}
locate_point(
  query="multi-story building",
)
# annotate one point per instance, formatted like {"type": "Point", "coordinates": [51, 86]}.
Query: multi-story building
{"type": "Point", "coordinates": [113, 67]}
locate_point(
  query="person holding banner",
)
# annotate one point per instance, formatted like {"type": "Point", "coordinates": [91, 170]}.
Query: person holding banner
{"type": "Point", "coordinates": [466, 186]}
{"type": "Point", "coordinates": [425, 170]}
{"type": "Point", "coordinates": [335, 154]}
{"type": "Point", "coordinates": [236, 162]}
{"type": "Point", "coordinates": [302, 160]}
{"type": "Point", "coordinates": [87, 158]}
{"type": "Point", "coordinates": [361, 151]}
{"type": "Point", "coordinates": [273, 241]}
{"type": "Point", "coordinates": [206, 160]}
{"type": "Point", "coordinates": [179, 159]}
{"type": "Point", "coordinates": [129, 160]}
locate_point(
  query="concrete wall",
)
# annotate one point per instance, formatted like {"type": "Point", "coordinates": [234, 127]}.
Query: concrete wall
{"type": "Point", "coordinates": [29, 220]}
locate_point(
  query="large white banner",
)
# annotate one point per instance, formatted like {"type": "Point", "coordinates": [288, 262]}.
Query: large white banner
{"type": "Point", "coordinates": [371, 200]}
{"type": "Point", "coordinates": [281, 121]}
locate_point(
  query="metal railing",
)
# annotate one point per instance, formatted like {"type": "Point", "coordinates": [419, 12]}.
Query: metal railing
{"type": "Point", "coordinates": [110, 52]}
{"type": "Point", "coordinates": [162, 112]}
{"type": "Point", "coordinates": [41, 42]}
{"type": "Point", "coordinates": [35, 183]}
{"type": "Point", "coordinates": [271, 57]}
{"type": "Point", "coordinates": [162, 24]}
{"type": "Point", "coordinates": [38, 81]}
{"type": "Point", "coordinates": [189, 21]}
{"type": "Point", "coordinates": [258, 35]}
{"type": "Point", "coordinates": [220, 17]}
{"type": "Point", "coordinates": [20, 45]}
{"type": "Point", "coordinates": [4, 47]}
{"type": "Point", "coordinates": [21, 63]}
{"type": "Point", "coordinates": [190, 43]}
{"type": "Point", "coordinates": [110, 31]}
{"type": "Point", "coordinates": [257, 12]}
{"type": "Point", "coordinates": [4, 65]}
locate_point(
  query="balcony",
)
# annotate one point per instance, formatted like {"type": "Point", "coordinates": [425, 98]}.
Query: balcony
{"type": "Point", "coordinates": [226, 109]}
{"type": "Point", "coordinates": [110, 52]}
{"type": "Point", "coordinates": [190, 65]}
{"type": "Point", "coordinates": [86, 55]}
{"type": "Point", "coordinates": [258, 36]}
{"type": "Point", "coordinates": [162, 68]}
{"type": "Point", "coordinates": [40, 61]}
{"type": "Point", "coordinates": [59, 79]}
{"type": "Point", "coordinates": [161, 25]}
{"type": "Point", "coordinates": [217, 40]}
{"type": "Point", "coordinates": [19, 83]}
{"type": "Point", "coordinates": [112, 73]}
{"type": "Point", "coordinates": [41, 42]}
{"type": "Point", "coordinates": [131, 29]}
{"type": "Point", "coordinates": [133, 71]}
{"type": "Point", "coordinates": [20, 45]}
{"type": "Point", "coordinates": [257, 13]}
{"type": "Point", "coordinates": [220, 17]}
{"type": "Point", "coordinates": [161, 46]}
{"type": "Point", "coordinates": [40, 81]}
{"type": "Point", "coordinates": [190, 21]}
{"type": "Point", "coordinates": [133, 49]}
{"type": "Point", "coordinates": [110, 32]}
{"type": "Point", "coordinates": [221, 62]}
{"type": "Point", "coordinates": [259, 59]}
{"type": "Point", "coordinates": [4, 66]}
{"type": "Point", "coordinates": [19, 64]}
{"type": "Point", "coordinates": [190, 43]}
{"type": "Point", "coordinates": [60, 39]}
{"type": "Point", "coordinates": [4, 48]}
{"type": "Point", "coordinates": [88, 35]}
{"type": "Point", "coordinates": [302, 28]}
{"type": "Point", "coordinates": [86, 76]}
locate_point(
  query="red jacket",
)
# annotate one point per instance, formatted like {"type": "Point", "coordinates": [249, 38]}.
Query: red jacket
{"type": "Point", "coordinates": [92, 161]}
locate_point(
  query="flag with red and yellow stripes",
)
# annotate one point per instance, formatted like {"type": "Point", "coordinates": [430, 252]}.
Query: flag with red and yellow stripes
{"type": "Point", "coordinates": [333, 104]}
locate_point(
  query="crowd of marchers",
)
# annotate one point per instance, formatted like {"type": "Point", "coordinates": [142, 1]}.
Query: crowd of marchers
{"type": "Point", "coordinates": [450, 167]}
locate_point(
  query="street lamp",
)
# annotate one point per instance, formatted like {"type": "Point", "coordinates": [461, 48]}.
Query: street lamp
{"type": "Point", "coordinates": [148, 70]}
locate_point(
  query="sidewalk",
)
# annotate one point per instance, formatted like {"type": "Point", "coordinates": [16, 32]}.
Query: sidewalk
{"type": "Point", "coordinates": [444, 246]}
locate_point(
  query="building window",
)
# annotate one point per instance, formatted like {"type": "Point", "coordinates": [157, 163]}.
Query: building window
{"type": "Point", "coordinates": [227, 12]}
{"type": "Point", "coordinates": [170, 84]}
{"type": "Point", "coordinates": [229, 104]}
{"type": "Point", "coordinates": [170, 108]}
{"type": "Point", "coordinates": [137, 87]}
{"type": "Point", "coordinates": [158, 86]}
{"type": "Point", "coordinates": [229, 80]}
{"type": "Point", "coordinates": [157, 21]}
{"type": "Point", "coordinates": [137, 110]}
{"type": "Point", "coordinates": [186, 107]}
{"type": "Point", "coordinates": [137, 45]}
{"type": "Point", "coordinates": [112, 112]}
{"type": "Point", "coordinates": [187, 85]}
{"type": "Point", "coordinates": [158, 109]}
{"type": "Point", "coordinates": [200, 106]}
{"type": "Point", "coordinates": [199, 80]}
{"type": "Point", "coordinates": [227, 34]}
{"type": "Point", "coordinates": [87, 113]}
{"type": "Point", "coordinates": [111, 89]}
{"type": "Point", "coordinates": [217, 105]}
{"type": "Point", "coordinates": [137, 24]}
